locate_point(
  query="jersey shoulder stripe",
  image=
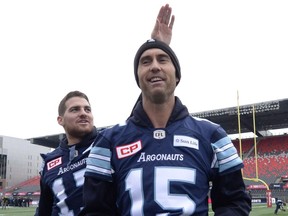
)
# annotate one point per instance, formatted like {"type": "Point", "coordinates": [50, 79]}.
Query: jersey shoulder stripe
{"type": "Point", "coordinates": [226, 153]}
{"type": "Point", "coordinates": [98, 162]}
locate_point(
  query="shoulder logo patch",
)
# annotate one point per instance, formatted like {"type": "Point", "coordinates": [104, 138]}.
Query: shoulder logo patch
{"type": "Point", "coordinates": [128, 150]}
{"type": "Point", "coordinates": [54, 163]}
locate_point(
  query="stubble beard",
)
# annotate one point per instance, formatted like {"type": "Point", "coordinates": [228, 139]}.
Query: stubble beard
{"type": "Point", "coordinates": [80, 132]}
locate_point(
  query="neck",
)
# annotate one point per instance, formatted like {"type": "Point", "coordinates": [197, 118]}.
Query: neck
{"type": "Point", "coordinates": [72, 140]}
{"type": "Point", "coordinates": [159, 114]}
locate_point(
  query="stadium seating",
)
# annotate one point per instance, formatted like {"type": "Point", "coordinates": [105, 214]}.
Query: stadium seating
{"type": "Point", "coordinates": [272, 157]}
{"type": "Point", "coordinates": [30, 186]}
{"type": "Point", "coordinates": [272, 160]}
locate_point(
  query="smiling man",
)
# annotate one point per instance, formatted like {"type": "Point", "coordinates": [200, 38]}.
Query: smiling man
{"type": "Point", "coordinates": [162, 160]}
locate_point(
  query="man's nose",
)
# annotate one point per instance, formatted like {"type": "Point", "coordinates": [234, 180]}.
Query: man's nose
{"type": "Point", "coordinates": [83, 111]}
{"type": "Point", "coordinates": [155, 66]}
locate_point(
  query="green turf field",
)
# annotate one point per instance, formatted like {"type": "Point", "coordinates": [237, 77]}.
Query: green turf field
{"type": "Point", "coordinates": [262, 210]}
{"type": "Point", "coordinates": [257, 210]}
{"type": "Point", "coordinates": [17, 211]}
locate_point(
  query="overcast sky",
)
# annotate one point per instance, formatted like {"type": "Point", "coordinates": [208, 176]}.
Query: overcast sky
{"type": "Point", "coordinates": [48, 48]}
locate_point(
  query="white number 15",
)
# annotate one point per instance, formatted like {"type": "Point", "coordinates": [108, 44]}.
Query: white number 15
{"type": "Point", "coordinates": [163, 177]}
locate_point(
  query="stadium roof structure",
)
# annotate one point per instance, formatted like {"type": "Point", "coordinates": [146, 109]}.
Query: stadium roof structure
{"type": "Point", "coordinates": [267, 116]}
{"type": "Point", "coordinates": [260, 117]}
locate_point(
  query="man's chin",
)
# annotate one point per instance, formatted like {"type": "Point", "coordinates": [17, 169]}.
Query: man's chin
{"type": "Point", "coordinates": [84, 130]}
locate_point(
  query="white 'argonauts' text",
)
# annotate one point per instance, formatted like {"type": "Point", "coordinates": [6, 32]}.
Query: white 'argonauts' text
{"type": "Point", "coordinates": [160, 157]}
{"type": "Point", "coordinates": [71, 166]}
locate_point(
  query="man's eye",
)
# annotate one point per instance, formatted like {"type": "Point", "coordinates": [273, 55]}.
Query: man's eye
{"type": "Point", "coordinates": [163, 59]}
{"type": "Point", "coordinates": [145, 62]}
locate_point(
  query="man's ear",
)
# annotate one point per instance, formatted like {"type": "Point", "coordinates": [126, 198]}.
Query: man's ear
{"type": "Point", "coordinates": [177, 80]}
{"type": "Point", "coordinates": [60, 120]}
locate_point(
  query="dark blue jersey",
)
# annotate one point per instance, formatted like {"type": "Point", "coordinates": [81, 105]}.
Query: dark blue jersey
{"type": "Point", "coordinates": [161, 171]}
{"type": "Point", "coordinates": [62, 178]}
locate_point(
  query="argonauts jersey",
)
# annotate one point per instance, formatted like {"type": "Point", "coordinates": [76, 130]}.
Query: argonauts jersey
{"type": "Point", "coordinates": [162, 171]}
{"type": "Point", "coordinates": [62, 178]}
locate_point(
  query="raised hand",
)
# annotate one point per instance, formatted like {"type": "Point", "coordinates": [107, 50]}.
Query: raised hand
{"type": "Point", "coordinates": [163, 27]}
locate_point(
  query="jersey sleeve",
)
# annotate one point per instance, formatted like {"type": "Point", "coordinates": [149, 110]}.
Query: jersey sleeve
{"type": "Point", "coordinates": [98, 164]}
{"type": "Point", "coordinates": [45, 201]}
{"type": "Point", "coordinates": [99, 198]}
{"type": "Point", "coordinates": [228, 195]}
{"type": "Point", "coordinates": [99, 193]}
{"type": "Point", "coordinates": [226, 155]}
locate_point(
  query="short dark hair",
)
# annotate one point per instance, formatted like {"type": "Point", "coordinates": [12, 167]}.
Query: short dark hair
{"type": "Point", "coordinates": [62, 106]}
